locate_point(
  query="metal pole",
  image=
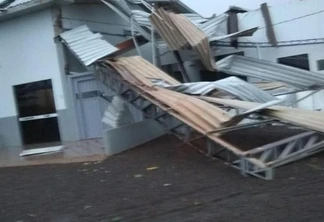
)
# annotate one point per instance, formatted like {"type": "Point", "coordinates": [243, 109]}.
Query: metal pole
{"type": "Point", "coordinates": [258, 51]}
{"type": "Point", "coordinates": [153, 42]}
{"type": "Point", "coordinates": [134, 37]}
{"type": "Point", "coordinates": [181, 67]}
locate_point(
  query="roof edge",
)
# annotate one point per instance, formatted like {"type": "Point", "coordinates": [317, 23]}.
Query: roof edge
{"type": "Point", "coordinates": [30, 7]}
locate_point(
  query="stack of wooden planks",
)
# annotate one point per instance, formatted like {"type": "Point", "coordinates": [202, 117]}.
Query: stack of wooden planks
{"type": "Point", "coordinates": [178, 31]}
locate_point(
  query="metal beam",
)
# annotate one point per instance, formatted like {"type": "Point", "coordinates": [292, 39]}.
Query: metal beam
{"type": "Point", "coordinates": [259, 162]}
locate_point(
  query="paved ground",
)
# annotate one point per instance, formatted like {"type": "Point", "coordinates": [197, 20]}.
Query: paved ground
{"type": "Point", "coordinates": [74, 152]}
{"type": "Point", "coordinates": [185, 187]}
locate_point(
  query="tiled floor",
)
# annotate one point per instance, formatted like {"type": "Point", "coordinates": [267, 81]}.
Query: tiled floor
{"type": "Point", "coordinates": [79, 151]}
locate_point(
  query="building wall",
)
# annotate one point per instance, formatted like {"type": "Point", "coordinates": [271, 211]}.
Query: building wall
{"type": "Point", "coordinates": [99, 18]}
{"type": "Point", "coordinates": [301, 18]}
{"type": "Point", "coordinates": [28, 53]}
{"type": "Point", "coordinates": [300, 21]}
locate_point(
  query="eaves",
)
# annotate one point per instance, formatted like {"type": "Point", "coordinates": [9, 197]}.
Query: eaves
{"type": "Point", "coordinates": [30, 7]}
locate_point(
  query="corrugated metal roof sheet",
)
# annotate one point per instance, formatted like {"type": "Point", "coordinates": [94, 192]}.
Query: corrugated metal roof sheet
{"type": "Point", "coordinates": [17, 3]}
{"type": "Point", "coordinates": [246, 66]}
{"type": "Point", "coordinates": [231, 85]}
{"type": "Point", "coordinates": [167, 30]}
{"type": "Point", "coordinates": [310, 119]}
{"type": "Point", "coordinates": [125, 12]}
{"type": "Point", "coordinates": [246, 32]}
{"type": "Point", "coordinates": [195, 18]}
{"type": "Point", "coordinates": [210, 26]}
{"type": "Point", "coordinates": [142, 18]}
{"type": "Point", "coordinates": [87, 46]}
{"type": "Point", "coordinates": [179, 32]}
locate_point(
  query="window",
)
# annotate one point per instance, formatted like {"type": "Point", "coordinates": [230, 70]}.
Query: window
{"type": "Point", "coordinates": [320, 64]}
{"type": "Point", "coordinates": [297, 61]}
{"type": "Point", "coordinates": [217, 75]}
{"type": "Point", "coordinates": [178, 76]}
{"type": "Point", "coordinates": [37, 113]}
{"type": "Point", "coordinates": [172, 71]}
{"type": "Point", "coordinates": [35, 98]}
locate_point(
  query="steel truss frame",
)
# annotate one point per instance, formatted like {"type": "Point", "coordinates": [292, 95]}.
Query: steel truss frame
{"type": "Point", "coordinates": [259, 162]}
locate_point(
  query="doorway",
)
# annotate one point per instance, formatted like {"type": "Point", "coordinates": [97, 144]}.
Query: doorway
{"type": "Point", "coordinates": [37, 114]}
{"type": "Point", "coordinates": [91, 99]}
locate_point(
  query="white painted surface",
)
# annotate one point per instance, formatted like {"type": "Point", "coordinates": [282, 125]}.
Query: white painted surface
{"type": "Point", "coordinates": [126, 137]}
{"type": "Point", "coordinates": [28, 53]}
{"type": "Point", "coordinates": [315, 52]}
{"type": "Point", "coordinates": [41, 151]}
{"type": "Point", "coordinates": [98, 17]}
{"type": "Point", "coordinates": [292, 21]}
{"type": "Point", "coordinates": [209, 7]}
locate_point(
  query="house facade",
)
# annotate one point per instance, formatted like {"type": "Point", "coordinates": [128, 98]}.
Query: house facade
{"type": "Point", "coordinates": [29, 39]}
{"type": "Point", "coordinates": [49, 96]}
{"type": "Point", "coordinates": [33, 60]}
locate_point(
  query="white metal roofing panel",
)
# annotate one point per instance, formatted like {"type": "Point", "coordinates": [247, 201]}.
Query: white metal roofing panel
{"type": "Point", "coordinates": [18, 2]}
{"type": "Point", "coordinates": [195, 18]}
{"type": "Point", "coordinates": [87, 46]}
{"type": "Point", "coordinates": [142, 18]}
{"type": "Point", "coordinates": [231, 85]}
{"type": "Point", "coordinates": [210, 26]}
{"type": "Point", "coordinates": [247, 32]}
{"type": "Point", "coordinates": [262, 69]}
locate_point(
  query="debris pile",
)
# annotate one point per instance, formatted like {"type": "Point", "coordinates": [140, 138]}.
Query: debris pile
{"type": "Point", "coordinates": [210, 109]}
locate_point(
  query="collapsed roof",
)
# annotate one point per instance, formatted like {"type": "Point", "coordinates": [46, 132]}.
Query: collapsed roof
{"type": "Point", "coordinates": [178, 30]}
{"type": "Point", "coordinates": [231, 85]}
{"type": "Point", "coordinates": [212, 115]}
{"type": "Point", "coordinates": [211, 121]}
{"type": "Point", "coordinates": [139, 73]}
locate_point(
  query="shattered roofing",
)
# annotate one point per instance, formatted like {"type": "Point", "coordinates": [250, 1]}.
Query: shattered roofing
{"type": "Point", "coordinates": [231, 85]}
{"type": "Point", "coordinates": [15, 3]}
{"type": "Point", "coordinates": [262, 69]}
{"type": "Point", "coordinates": [87, 46]}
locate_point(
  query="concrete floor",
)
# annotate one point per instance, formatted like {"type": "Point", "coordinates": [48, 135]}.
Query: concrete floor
{"type": "Point", "coordinates": [79, 151]}
{"type": "Point", "coordinates": [185, 187]}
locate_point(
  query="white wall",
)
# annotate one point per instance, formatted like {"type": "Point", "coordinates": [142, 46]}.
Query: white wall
{"type": "Point", "coordinates": [28, 53]}
{"type": "Point", "coordinates": [210, 7]}
{"type": "Point", "coordinates": [98, 17]}
{"type": "Point", "coordinates": [292, 21]}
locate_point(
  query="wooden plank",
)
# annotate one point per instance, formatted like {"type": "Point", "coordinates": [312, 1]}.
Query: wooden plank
{"type": "Point", "coordinates": [310, 119]}
{"type": "Point", "coordinates": [194, 112]}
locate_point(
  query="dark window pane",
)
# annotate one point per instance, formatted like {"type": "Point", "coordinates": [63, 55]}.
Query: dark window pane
{"type": "Point", "coordinates": [178, 76]}
{"type": "Point", "coordinates": [320, 64]}
{"type": "Point", "coordinates": [40, 131]}
{"type": "Point", "coordinates": [297, 61]}
{"type": "Point", "coordinates": [35, 98]}
{"type": "Point", "coordinates": [217, 58]}
{"type": "Point", "coordinates": [209, 76]}
{"type": "Point", "coordinates": [87, 95]}
{"type": "Point", "coordinates": [217, 75]}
